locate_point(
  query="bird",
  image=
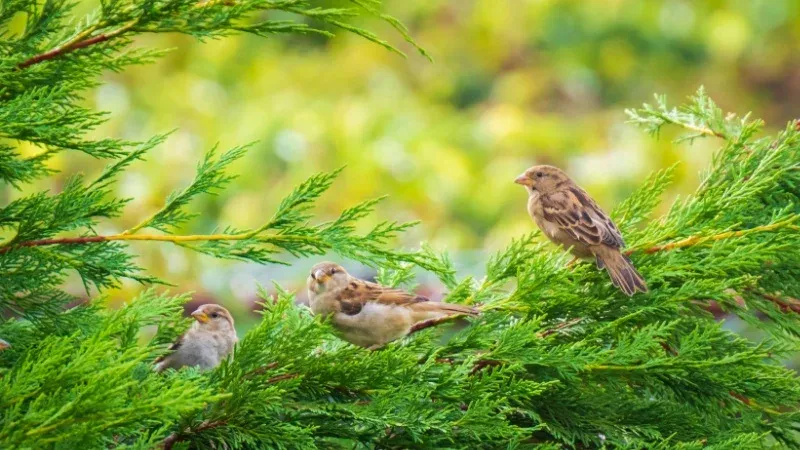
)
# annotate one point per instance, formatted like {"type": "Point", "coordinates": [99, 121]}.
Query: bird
{"type": "Point", "coordinates": [367, 314]}
{"type": "Point", "coordinates": [568, 216]}
{"type": "Point", "coordinates": [4, 345]}
{"type": "Point", "coordinates": [210, 339]}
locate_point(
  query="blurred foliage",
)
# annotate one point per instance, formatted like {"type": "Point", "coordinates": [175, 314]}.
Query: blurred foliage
{"type": "Point", "coordinates": [513, 83]}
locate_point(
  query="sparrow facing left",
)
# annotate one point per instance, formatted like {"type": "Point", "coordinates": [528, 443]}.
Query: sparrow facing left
{"type": "Point", "coordinates": [368, 314]}
{"type": "Point", "coordinates": [210, 339]}
{"type": "Point", "coordinates": [568, 216]}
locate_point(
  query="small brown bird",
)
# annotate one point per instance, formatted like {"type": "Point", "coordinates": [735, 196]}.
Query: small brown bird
{"type": "Point", "coordinates": [368, 314]}
{"type": "Point", "coordinates": [4, 345]}
{"type": "Point", "coordinates": [568, 216]}
{"type": "Point", "coordinates": [210, 339]}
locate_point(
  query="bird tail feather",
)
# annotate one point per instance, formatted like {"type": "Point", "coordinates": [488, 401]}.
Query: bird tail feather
{"type": "Point", "coordinates": [430, 310]}
{"type": "Point", "coordinates": [622, 272]}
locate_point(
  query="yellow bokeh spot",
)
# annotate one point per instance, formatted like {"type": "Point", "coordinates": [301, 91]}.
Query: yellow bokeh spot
{"type": "Point", "coordinates": [728, 35]}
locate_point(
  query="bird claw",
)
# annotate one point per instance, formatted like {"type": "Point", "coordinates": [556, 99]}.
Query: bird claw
{"type": "Point", "coordinates": [573, 261]}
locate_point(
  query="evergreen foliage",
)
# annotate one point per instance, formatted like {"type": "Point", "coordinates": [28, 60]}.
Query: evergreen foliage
{"type": "Point", "coordinates": [559, 358]}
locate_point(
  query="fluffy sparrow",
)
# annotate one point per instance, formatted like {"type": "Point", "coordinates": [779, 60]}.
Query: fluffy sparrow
{"type": "Point", "coordinates": [368, 314]}
{"type": "Point", "coordinates": [568, 216]}
{"type": "Point", "coordinates": [210, 339]}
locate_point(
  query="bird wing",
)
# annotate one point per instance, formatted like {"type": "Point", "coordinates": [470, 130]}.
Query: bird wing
{"type": "Point", "coordinates": [358, 293]}
{"type": "Point", "coordinates": [579, 216]}
{"type": "Point", "coordinates": [172, 348]}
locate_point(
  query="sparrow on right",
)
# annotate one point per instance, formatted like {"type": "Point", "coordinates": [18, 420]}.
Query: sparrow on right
{"type": "Point", "coordinates": [568, 216]}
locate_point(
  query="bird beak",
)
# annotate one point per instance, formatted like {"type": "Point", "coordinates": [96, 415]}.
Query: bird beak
{"type": "Point", "coordinates": [522, 179]}
{"type": "Point", "coordinates": [200, 316]}
{"type": "Point", "coordinates": [321, 276]}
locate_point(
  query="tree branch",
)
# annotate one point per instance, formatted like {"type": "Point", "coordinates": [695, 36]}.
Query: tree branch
{"type": "Point", "coordinates": [696, 240]}
{"type": "Point", "coordinates": [81, 40]}
{"type": "Point", "coordinates": [480, 365]}
{"type": "Point", "coordinates": [784, 303]}
{"type": "Point", "coordinates": [81, 240]}
{"type": "Point", "coordinates": [285, 376]}
{"type": "Point", "coordinates": [698, 129]}
{"type": "Point", "coordinates": [174, 438]}
{"type": "Point", "coordinates": [560, 326]}
{"type": "Point", "coordinates": [261, 370]}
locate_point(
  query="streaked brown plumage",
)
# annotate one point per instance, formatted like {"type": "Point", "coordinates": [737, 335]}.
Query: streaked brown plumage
{"type": "Point", "coordinates": [368, 314]}
{"type": "Point", "coordinates": [568, 216]}
{"type": "Point", "coordinates": [210, 339]}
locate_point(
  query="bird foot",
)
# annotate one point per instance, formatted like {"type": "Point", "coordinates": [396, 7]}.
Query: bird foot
{"type": "Point", "coordinates": [573, 261]}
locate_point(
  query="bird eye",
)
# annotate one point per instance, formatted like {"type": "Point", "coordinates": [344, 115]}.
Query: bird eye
{"type": "Point", "coordinates": [333, 270]}
{"type": "Point", "coordinates": [539, 174]}
{"type": "Point", "coordinates": [214, 315]}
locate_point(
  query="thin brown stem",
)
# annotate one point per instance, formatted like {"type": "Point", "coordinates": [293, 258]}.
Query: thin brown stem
{"type": "Point", "coordinates": [81, 240]}
{"type": "Point", "coordinates": [740, 397]}
{"type": "Point", "coordinates": [696, 240]}
{"type": "Point", "coordinates": [261, 370]}
{"type": "Point", "coordinates": [174, 438]}
{"type": "Point", "coordinates": [703, 130]}
{"type": "Point", "coordinates": [480, 365]}
{"type": "Point", "coordinates": [696, 128]}
{"type": "Point", "coordinates": [285, 376]}
{"type": "Point", "coordinates": [786, 304]}
{"type": "Point", "coordinates": [560, 326]}
{"type": "Point", "coordinates": [752, 403]}
{"type": "Point", "coordinates": [668, 348]}
{"type": "Point", "coordinates": [81, 40]}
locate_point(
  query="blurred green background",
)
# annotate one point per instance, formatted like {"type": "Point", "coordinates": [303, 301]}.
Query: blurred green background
{"type": "Point", "coordinates": [513, 83]}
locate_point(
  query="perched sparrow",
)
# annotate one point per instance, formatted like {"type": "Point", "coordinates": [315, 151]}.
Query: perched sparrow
{"type": "Point", "coordinates": [568, 216]}
{"type": "Point", "coordinates": [210, 339]}
{"type": "Point", "coordinates": [367, 314]}
{"type": "Point", "coordinates": [4, 345]}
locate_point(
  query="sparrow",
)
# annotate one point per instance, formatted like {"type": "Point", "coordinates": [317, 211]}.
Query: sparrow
{"type": "Point", "coordinates": [568, 216]}
{"type": "Point", "coordinates": [210, 339]}
{"type": "Point", "coordinates": [368, 314]}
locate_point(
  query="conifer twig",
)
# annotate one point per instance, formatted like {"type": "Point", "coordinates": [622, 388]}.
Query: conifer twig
{"type": "Point", "coordinates": [79, 41]}
{"type": "Point", "coordinates": [81, 240]}
{"type": "Point", "coordinates": [174, 438]}
{"type": "Point", "coordinates": [261, 370]}
{"type": "Point", "coordinates": [696, 128]}
{"type": "Point", "coordinates": [480, 365]}
{"type": "Point", "coordinates": [696, 240]}
{"type": "Point", "coordinates": [560, 326]}
{"type": "Point", "coordinates": [283, 377]}
{"type": "Point", "coordinates": [785, 303]}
